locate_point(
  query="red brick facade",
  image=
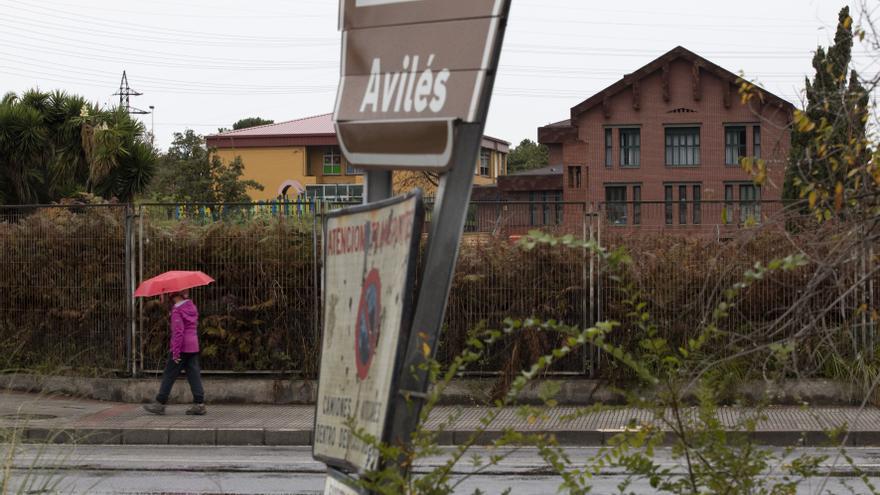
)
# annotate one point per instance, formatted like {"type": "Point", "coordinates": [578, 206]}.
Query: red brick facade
{"type": "Point", "coordinates": [665, 109]}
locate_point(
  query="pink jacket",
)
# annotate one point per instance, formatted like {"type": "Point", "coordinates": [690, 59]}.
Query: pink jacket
{"type": "Point", "coordinates": [184, 329]}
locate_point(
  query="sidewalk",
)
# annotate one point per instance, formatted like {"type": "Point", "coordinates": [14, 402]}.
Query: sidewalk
{"type": "Point", "coordinates": [64, 420]}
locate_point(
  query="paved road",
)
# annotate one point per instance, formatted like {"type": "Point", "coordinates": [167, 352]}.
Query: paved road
{"type": "Point", "coordinates": [290, 470]}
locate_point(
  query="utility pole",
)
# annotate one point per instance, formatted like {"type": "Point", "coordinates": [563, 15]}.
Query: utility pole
{"type": "Point", "coordinates": [125, 93]}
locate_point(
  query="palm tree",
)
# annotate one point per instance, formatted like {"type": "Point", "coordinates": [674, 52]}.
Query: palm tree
{"type": "Point", "coordinates": [54, 145]}
{"type": "Point", "coordinates": [23, 148]}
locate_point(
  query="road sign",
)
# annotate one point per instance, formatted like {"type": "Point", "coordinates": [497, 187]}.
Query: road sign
{"type": "Point", "coordinates": [412, 72]}
{"type": "Point", "coordinates": [369, 272]}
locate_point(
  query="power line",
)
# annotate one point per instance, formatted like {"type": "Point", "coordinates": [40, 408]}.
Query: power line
{"type": "Point", "coordinates": [78, 19]}
{"type": "Point", "coordinates": [109, 56]}
{"type": "Point", "coordinates": [653, 13]}
{"type": "Point", "coordinates": [15, 22]}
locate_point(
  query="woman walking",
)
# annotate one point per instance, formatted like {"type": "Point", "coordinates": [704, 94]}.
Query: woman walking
{"type": "Point", "coordinates": [184, 356]}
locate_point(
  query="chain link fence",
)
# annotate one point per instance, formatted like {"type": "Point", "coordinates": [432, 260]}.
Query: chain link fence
{"type": "Point", "coordinates": [68, 275]}
{"type": "Point", "coordinates": [261, 314]}
{"type": "Point", "coordinates": [63, 286]}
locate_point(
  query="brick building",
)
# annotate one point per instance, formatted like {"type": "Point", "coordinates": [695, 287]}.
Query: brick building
{"type": "Point", "coordinates": [663, 147]}
{"type": "Point", "coordinates": [519, 202]}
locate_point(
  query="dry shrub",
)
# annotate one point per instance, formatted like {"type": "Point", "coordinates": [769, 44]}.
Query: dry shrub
{"type": "Point", "coordinates": [63, 297]}
{"type": "Point", "coordinates": [260, 315]}
{"type": "Point", "coordinates": [495, 280]}
{"type": "Point", "coordinates": [62, 288]}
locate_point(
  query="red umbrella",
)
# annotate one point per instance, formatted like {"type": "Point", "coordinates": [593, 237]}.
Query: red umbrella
{"type": "Point", "coordinates": [170, 282]}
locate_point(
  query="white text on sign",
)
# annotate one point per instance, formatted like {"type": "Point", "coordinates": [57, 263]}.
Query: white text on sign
{"type": "Point", "coordinates": [409, 90]}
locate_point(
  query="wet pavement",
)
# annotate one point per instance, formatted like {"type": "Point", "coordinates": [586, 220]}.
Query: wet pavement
{"type": "Point", "coordinates": [67, 420]}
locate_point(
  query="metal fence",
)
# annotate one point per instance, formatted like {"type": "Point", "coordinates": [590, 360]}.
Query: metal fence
{"type": "Point", "coordinates": [262, 314]}
{"type": "Point", "coordinates": [69, 273]}
{"type": "Point", "coordinates": [63, 286]}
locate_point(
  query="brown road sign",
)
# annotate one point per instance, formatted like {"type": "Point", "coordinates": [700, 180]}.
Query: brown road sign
{"type": "Point", "coordinates": [369, 274]}
{"type": "Point", "coordinates": [412, 70]}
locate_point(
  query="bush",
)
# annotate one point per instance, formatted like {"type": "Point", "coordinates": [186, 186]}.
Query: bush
{"type": "Point", "coordinates": [63, 295]}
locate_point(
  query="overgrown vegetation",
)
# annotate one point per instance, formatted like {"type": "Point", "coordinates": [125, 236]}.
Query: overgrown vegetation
{"type": "Point", "coordinates": [55, 145]}
{"type": "Point", "coordinates": [715, 457]}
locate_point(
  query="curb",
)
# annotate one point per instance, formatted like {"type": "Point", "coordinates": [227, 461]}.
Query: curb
{"type": "Point", "coordinates": [303, 438]}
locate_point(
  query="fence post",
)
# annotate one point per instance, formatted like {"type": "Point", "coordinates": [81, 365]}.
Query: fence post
{"type": "Point", "coordinates": [317, 232]}
{"type": "Point", "coordinates": [587, 284]}
{"type": "Point", "coordinates": [131, 325]}
{"type": "Point", "coordinates": [139, 328]}
{"type": "Point", "coordinates": [594, 293]}
{"type": "Point", "coordinates": [872, 300]}
{"type": "Point", "coordinates": [597, 272]}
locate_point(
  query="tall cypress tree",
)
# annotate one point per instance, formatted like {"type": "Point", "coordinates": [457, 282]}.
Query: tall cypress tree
{"type": "Point", "coordinates": [829, 136]}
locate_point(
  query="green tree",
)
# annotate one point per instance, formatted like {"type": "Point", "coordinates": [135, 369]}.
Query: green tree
{"type": "Point", "coordinates": [54, 145]}
{"type": "Point", "coordinates": [829, 140]}
{"type": "Point", "coordinates": [190, 173]}
{"type": "Point", "coordinates": [250, 122]}
{"type": "Point", "coordinates": [529, 155]}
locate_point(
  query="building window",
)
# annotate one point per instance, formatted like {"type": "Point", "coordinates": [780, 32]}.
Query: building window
{"type": "Point", "coordinates": [728, 205]}
{"type": "Point", "coordinates": [749, 203]}
{"type": "Point", "coordinates": [348, 193]}
{"type": "Point", "coordinates": [682, 146]}
{"type": "Point", "coordinates": [735, 145]}
{"type": "Point", "coordinates": [615, 198]}
{"type": "Point", "coordinates": [682, 205]}
{"type": "Point", "coordinates": [574, 177]}
{"type": "Point", "coordinates": [485, 160]}
{"type": "Point", "coordinates": [351, 170]}
{"type": "Point", "coordinates": [552, 208]}
{"type": "Point", "coordinates": [609, 148]}
{"type": "Point", "coordinates": [332, 162]}
{"type": "Point", "coordinates": [756, 142]}
{"type": "Point", "coordinates": [637, 205]}
{"type": "Point", "coordinates": [630, 147]}
{"type": "Point", "coordinates": [545, 208]}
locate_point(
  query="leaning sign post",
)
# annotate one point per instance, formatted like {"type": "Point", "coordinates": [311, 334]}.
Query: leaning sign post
{"type": "Point", "coordinates": [415, 87]}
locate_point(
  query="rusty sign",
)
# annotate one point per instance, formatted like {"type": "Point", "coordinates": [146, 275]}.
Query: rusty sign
{"type": "Point", "coordinates": [369, 273]}
{"type": "Point", "coordinates": [412, 70]}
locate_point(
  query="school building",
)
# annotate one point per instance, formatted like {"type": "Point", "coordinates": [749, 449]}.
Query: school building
{"type": "Point", "coordinates": [302, 157]}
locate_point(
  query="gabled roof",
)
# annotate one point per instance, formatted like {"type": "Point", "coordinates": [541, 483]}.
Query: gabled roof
{"type": "Point", "coordinates": [317, 125]}
{"type": "Point", "coordinates": [317, 130]}
{"type": "Point", "coordinates": [560, 124]}
{"type": "Point", "coordinates": [676, 53]}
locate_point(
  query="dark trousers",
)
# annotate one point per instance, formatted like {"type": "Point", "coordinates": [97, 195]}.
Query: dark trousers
{"type": "Point", "coordinates": [189, 361]}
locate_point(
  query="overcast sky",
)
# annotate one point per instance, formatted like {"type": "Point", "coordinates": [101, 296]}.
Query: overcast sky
{"type": "Point", "coordinates": [204, 64]}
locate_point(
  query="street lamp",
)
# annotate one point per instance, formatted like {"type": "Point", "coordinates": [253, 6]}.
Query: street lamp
{"type": "Point", "coordinates": [152, 125]}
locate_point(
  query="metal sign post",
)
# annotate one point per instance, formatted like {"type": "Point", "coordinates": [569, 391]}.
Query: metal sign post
{"type": "Point", "coordinates": [416, 83]}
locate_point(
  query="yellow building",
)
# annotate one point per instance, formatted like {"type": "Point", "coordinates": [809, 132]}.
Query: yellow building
{"type": "Point", "coordinates": [302, 157]}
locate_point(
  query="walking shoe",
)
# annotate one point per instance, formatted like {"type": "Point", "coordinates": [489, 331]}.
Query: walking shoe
{"type": "Point", "coordinates": [197, 410]}
{"type": "Point", "coordinates": [155, 408]}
